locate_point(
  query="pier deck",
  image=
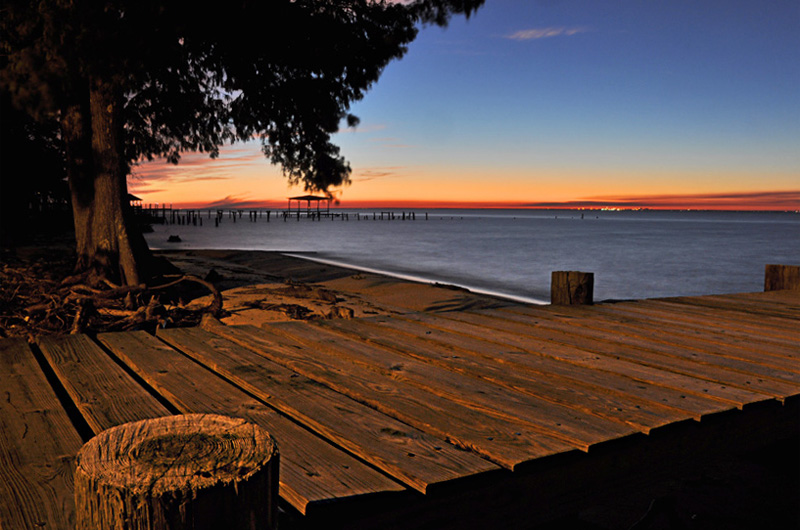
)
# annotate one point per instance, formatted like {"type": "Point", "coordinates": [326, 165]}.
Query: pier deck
{"type": "Point", "coordinates": [466, 419]}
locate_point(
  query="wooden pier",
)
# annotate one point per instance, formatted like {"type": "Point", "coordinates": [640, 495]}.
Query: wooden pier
{"type": "Point", "coordinates": [154, 214]}
{"type": "Point", "coordinates": [502, 417]}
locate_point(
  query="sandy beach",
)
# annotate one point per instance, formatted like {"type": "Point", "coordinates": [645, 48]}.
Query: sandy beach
{"type": "Point", "coordinates": [260, 287]}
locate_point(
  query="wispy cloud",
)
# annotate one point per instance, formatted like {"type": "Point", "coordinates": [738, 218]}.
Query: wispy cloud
{"type": "Point", "coordinates": [545, 33]}
{"type": "Point", "coordinates": [373, 173]}
{"type": "Point", "coordinates": [231, 201]}
{"type": "Point", "coordinates": [199, 166]}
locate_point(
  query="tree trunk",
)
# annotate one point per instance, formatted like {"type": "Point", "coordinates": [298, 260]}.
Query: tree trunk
{"type": "Point", "coordinates": [76, 132]}
{"type": "Point", "coordinates": [104, 232]}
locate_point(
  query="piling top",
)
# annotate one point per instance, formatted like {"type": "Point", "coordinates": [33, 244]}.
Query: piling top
{"type": "Point", "coordinates": [176, 453]}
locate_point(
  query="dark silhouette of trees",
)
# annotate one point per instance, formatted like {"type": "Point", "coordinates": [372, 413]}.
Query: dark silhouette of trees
{"type": "Point", "coordinates": [130, 80]}
{"type": "Point", "coordinates": [33, 189]}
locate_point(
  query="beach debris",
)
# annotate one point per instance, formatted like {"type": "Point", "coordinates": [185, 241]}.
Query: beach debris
{"type": "Point", "coordinates": [340, 312]}
{"type": "Point", "coordinates": [41, 297]}
{"type": "Point", "coordinates": [213, 276]}
{"type": "Point", "coordinates": [292, 311]}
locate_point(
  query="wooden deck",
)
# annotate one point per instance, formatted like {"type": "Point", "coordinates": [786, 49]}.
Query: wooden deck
{"type": "Point", "coordinates": [452, 419]}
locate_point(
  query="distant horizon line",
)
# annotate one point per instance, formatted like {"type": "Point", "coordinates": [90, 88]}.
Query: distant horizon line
{"type": "Point", "coordinates": [464, 205]}
{"type": "Point", "coordinates": [773, 201]}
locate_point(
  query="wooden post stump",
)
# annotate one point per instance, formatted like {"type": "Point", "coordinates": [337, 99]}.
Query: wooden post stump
{"type": "Point", "coordinates": [571, 288]}
{"type": "Point", "coordinates": [198, 471]}
{"type": "Point", "coordinates": [780, 277]}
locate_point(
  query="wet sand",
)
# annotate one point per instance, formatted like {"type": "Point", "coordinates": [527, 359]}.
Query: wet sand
{"type": "Point", "coordinates": [264, 286]}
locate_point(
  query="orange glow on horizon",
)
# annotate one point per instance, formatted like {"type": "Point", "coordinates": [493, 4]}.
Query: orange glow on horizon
{"type": "Point", "coordinates": [242, 178]}
{"type": "Point", "coordinates": [766, 201]}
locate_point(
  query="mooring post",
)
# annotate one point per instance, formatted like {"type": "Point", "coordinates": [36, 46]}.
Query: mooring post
{"type": "Point", "coordinates": [572, 288]}
{"type": "Point", "coordinates": [194, 471]}
{"type": "Point", "coordinates": [782, 277]}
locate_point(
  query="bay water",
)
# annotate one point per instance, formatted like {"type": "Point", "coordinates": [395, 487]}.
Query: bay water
{"type": "Point", "coordinates": [511, 253]}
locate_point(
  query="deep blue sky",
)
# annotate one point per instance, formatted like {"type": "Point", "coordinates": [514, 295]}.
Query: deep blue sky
{"type": "Point", "coordinates": [567, 100]}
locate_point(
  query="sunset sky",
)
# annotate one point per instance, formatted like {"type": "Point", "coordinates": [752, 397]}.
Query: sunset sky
{"type": "Point", "coordinates": [657, 103]}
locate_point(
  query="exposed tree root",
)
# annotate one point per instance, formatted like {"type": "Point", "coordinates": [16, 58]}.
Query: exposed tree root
{"type": "Point", "coordinates": [34, 302]}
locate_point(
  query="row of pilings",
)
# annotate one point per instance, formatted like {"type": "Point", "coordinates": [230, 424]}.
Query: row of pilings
{"type": "Point", "coordinates": [175, 216]}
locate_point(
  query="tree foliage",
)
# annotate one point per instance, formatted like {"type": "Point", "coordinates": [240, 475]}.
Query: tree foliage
{"type": "Point", "coordinates": [194, 78]}
{"type": "Point", "coordinates": [33, 187]}
{"type": "Point", "coordinates": [135, 79]}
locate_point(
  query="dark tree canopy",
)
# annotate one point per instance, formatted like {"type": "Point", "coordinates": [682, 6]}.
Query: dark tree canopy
{"type": "Point", "coordinates": [131, 80]}
{"type": "Point", "coordinates": [33, 186]}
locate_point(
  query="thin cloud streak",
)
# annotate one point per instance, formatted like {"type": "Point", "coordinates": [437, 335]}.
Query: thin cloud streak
{"type": "Point", "coordinates": [225, 167]}
{"type": "Point", "coordinates": [368, 174]}
{"type": "Point", "coordinates": [545, 33]}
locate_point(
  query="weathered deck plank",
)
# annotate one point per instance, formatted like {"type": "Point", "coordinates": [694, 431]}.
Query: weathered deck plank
{"type": "Point", "coordinates": [420, 461]}
{"type": "Point", "coordinates": [600, 319]}
{"type": "Point", "coordinates": [702, 309]}
{"type": "Point", "coordinates": [580, 427]}
{"type": "Point", "coordinates": [503, 442]}
{"type": "Point", "coordinates": [604, 393]}
{"type": "Point", "coordinates": [104, 394]}
{"type": "Point", "coordinates": [38, 444]}
{"type": "Point", "coordinates": [528, 351]}
{"type": "Point", "coordinates": [713, 327]}
{"type": "Point", "coordinates": [706, 367]}
{"type": "Point", "coordinates": [313, 473]}
{"type": "Point", "coordinates": [763, 306]}
{"type": "Point", "coordinates": [646, 345]}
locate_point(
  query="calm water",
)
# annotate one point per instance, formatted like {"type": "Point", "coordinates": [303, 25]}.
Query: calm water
{"type": "Point", "coordinates": [512, 252]}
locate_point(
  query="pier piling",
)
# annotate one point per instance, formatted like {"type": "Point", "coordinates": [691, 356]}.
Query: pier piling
{"type": "Point", "coordinates": [782, 277]}
{"type": "Point", "coordinates": [198, 471]}
{"type": "Point", "coordinates": [572, 288]}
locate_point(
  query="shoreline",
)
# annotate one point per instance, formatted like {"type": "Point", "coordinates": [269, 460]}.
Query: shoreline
{"type": "Point", "coordinates": [259, 287]}
{"type": "Point", "coordinates": [416, 278]}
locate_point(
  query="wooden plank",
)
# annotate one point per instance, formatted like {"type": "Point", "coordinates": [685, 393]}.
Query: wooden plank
{"type": "Point", "coordinates": [788, 300]}
{"type": "Point", "coordinates": [785, 358]}
{"type": "Point", "coordinates": [752, 366]}
{"type": "Point", "coordinates": [649, 383]}
{"type": "Point", "coordinates": [505, 443]}
{"type": "Point", "coordinates": [707, 336]}
{"type": "Point", "coordinates": [38, 444]}
{"type": "Point", "coordinates": [421, 461]}
{"type": "Point", "coordinates": [731, 303]}
{"type": "Point", "coordinates": [103, 392]}
{"type": "Point", "coordinates": [706, 326]}
{"type": "Point", "coordinates": [607, 345]}
{"type": "Point", "coordinates": [714, 327]}
{"type": "Point", "coordinates": [707, 305]}
{"type": "Point", "coordinates": [787, 297]}
{"type": "Point", "coordinates": [527, 500]}
{"type": "Point", "coordinates": [572, 334]}
{"type": "Point", "coordinates": [603, 393]}
{"type": "Point", "coordinates": [581, 427]}
{"type": "Point", "coordinates": [313, 473]}
{"type": "Point", "coordinates": [772, 327]}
